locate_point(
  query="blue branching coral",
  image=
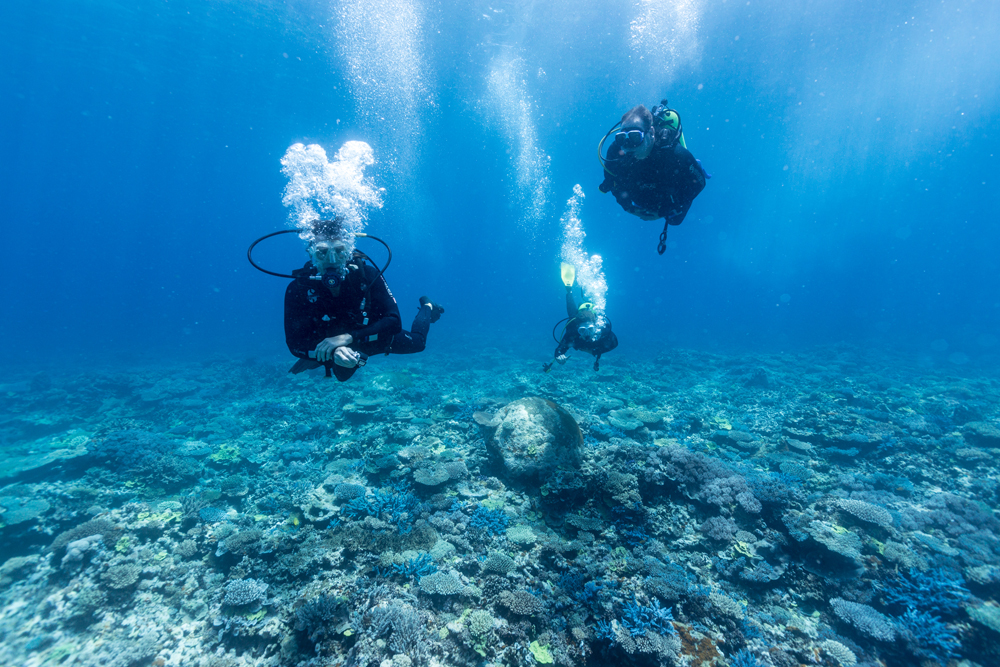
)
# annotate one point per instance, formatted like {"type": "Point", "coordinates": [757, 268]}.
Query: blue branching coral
{"type": "Point", "coordinates": [937, 591]}
{"type": "Point", "coordinates": [745, 658]}
{"type": "Point", "coordinates": [929, 637]}
{"type": "Point", "coordinates": [588, 593]}
{"type": "Point", "coordinates": [637, 619]}
{"type": "Point", "coordinates": [604, 631]}
{"type": "Point", "coordinates": [491, 522]}
{"type": "Point", "coordinates": [398, 509]}
{"type": "Point", "coordinates": [420, 566]}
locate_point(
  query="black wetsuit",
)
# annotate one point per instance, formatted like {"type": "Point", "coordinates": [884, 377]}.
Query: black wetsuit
{"type": "Point", "coordinates": [662, 185]}
{"type": "Point", "coordinates": [313, 313]}
{"type": "Point", "coordinates": [606, 342]}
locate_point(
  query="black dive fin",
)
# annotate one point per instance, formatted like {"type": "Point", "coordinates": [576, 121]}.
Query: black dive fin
{"type": "Point", "coordinates": [304, 365]}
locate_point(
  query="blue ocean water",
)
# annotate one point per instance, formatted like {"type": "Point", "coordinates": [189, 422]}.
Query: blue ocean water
{"type": "Point", "coordinates": [852, 147]}
{"type": "Point", "coordinates": [790, 458]}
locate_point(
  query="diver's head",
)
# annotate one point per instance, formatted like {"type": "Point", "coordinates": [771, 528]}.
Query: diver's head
{"type": "Point", "coordinates": [636, 133]}
{"type": "Point", "coordinates": [587, 322]}
{"type": "Point", "coordinates": [330, 245]}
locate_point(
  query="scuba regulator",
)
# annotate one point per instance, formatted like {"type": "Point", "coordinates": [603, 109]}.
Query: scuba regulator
{"type": "Point", "coordinates": [331, 277]}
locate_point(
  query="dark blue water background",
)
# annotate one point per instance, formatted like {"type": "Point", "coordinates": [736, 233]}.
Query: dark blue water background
{"type": "Point", "coordinates": [853, 146]}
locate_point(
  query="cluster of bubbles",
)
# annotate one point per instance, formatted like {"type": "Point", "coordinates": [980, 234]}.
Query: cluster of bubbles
{"type": "Point", "coordinates": [320, 189]}
{"type": "Point", "coordinates": [380, 43]}
{"type": "Point", "coordinates": [589, 268]}
{"type": "Point", "coordinates": [508, 105]}
{"type": "Point", "coordinates": [663, 36]}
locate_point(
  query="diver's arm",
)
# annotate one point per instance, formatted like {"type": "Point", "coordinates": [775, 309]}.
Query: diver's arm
{"type": "Point", "coordinates": [384, 320]}
{"type": "Point", "coordinates": [298, 331]}
{"type": "Point", "coordinates": [564, 344]}
{"type": "Point", "coordinates": [616, 185]}
{"type": "Point", "coordinates": [608, 184]}
{"type": "Point", "coordinates": [327, 347]}
{"type": "Point", "coordinates": [624, 200]}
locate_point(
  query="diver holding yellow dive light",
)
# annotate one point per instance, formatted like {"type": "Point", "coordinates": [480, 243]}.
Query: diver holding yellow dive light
{"type": "Point", "coordinates": [587, 329]}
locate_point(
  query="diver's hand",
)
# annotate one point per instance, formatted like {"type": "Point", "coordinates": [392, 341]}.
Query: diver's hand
{"type": "Point", "coordinates": [346, 357]}
{"type": "Point", "coordinates": [561, 359]}
{"type": "Point", "coordinates": [326, 347]}
{"type": "Point", "coordinates": [647, 215]}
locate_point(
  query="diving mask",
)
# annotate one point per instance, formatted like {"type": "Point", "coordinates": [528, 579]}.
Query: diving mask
{"type": "Point", "coordinates": [326, 252]}
{"type": "Point", "coordinates": [588, 332]}
{"type": "Point", "coordinates": [631, 138]}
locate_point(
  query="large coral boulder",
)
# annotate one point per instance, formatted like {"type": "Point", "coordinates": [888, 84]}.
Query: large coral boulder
{"type": "Point", "coordinates": [532, 438]}
{"type": "Point", "coordinates": [983, 434]}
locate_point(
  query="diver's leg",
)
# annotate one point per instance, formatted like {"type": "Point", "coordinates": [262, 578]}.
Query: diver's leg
{"type": "Point", "coordinates": [570, 302]}
{"type": "Point", "coordinates": [677, 215]}
{"type": "Point", "coordinates": [414, 340]}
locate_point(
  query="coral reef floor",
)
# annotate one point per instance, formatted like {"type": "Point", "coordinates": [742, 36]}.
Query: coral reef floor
{"type": "Point", "coordinates": [831, 507]}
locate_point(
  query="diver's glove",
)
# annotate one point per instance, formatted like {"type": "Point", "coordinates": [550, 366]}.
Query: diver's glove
{"type": "Point", "coordinates": [345, 357]}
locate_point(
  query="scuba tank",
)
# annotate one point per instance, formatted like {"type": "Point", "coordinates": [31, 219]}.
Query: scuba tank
{"type": "Point", "coordinates": [667, 125]}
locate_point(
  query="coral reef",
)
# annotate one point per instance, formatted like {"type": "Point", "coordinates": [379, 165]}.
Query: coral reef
{"type": "Point", "coordinates": [833, 507]}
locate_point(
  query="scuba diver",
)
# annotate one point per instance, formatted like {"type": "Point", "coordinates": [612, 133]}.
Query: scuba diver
{"type": "Point", "coordinates": [649, 169]}
{"type": "Point", "coordinates": [339, 310]}
{"type": "Point", "coordinates": [587, 329]}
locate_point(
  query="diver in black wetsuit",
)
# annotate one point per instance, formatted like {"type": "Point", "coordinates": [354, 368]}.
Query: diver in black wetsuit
{"type": "Point", "coordinates": [649, 169]}
{"type": "Point", "coordinates": [339, 309]}
{"type": "Point", "coordinates": [587, 329]}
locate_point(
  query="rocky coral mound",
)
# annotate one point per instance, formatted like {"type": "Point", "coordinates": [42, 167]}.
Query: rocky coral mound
{"type": "Point", "coordinates": [531, 438]}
